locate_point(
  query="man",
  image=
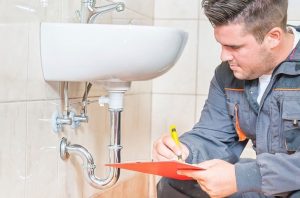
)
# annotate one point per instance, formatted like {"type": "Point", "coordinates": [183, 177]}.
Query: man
{"type": "Point", "coordinates": [254, 95]}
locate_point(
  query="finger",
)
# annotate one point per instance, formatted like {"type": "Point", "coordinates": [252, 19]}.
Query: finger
{"type": "Point", "coordinates": [165, 152]}
{"type": "Point", "coordinates": [157, 157]}
{"type": "Point", "coordinates": [195, 174]}
{"type": "Point", "coordinates": [160, 158]}
{"type": "Point", "coordinates": [202, 185]}
{"type": "Point", "coordinates": [162, 151]}
{"type": "Point", "coordinates": [169, 142]}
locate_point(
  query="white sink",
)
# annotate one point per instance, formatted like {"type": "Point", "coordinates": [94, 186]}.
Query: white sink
{"type": "Point", "coordinates": [97, 52]}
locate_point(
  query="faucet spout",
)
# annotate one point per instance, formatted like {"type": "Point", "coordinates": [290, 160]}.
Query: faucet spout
{"type": "Point", "coordinates": [96, 11]}
{"type": "Point", "coordinates": [89, 11]}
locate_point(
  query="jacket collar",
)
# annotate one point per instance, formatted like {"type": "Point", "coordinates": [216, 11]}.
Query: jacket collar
{"type": "Point", "coordinates": [295, 54]}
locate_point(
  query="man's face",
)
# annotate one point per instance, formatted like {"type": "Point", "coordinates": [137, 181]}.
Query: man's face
{"type": "Point", "coordinates": [247, 58]}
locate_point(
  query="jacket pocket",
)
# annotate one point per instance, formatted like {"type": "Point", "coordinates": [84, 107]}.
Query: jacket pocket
{"type": "Point", "coordinates": [233, 110]}
{"type": "Point", "coordinates": [291, 122]}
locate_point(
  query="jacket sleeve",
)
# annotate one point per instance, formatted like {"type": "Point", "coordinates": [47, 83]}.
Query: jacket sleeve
{"type": "Point", "coordinates": [214, 136]}
{"type": "Point", "coordinates": [279, 172]}
{"type": "Point", "coordinates": [275, 173]}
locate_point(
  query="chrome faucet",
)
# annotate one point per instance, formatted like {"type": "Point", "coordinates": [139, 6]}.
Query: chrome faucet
{"type": "Point", "coordinates": [89, 12]}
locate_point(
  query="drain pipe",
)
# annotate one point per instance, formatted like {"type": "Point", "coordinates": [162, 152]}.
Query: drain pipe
{"type": "Point", "coordinates": [67, 149]}
{"type": "Point", "coordinates": [115, 102]}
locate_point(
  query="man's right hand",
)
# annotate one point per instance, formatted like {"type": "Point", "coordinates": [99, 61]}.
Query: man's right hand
{"type": "Point", "coordinates": [165, 149]}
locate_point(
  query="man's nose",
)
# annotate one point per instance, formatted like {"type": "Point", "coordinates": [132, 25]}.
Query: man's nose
{"type": "Point", "coordinates": [226, 55]}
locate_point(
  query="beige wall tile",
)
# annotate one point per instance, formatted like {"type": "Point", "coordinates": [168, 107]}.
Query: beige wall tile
{"type": "Point", "coordinates": [293, 10]}
{"type": "Point", "coordinates": [290, 22]}
{"type": "Point", "coordinates": [77, 89]}
{"type": "Point", "coordinates": [144, 8]}
{"type": "Point", "coordinates": [13, 61]}
{"type": "Point", "coordinates": [17, 11]}
{"type": "Point", "coordinates": [208, 56]}
{"type": "Point", "coordinates": [69, 9]}
{"type": "Point", "coordinates": [140, 87]}
{"type": "Point", "coordinates": [71, 179]}
{"type": "Point", "coordinates": [176, 9]}
{"type": "Point", "coordinates": [41, 152]}
{"type": "Point", "coordinates": [200, 104]}
{"type": "Point", "coordinates": [136, 126]}
{"type": "Point", "coordinates": [170, 109]}
{"type": "Point", "coordinates": [201, 13]}
{"type": "Point", "coordinates": [136, 187]}
{"type": "Point", "coordinates": [20, 11]}
{"type": "Point", "coordinates": [153, 180]}
{"type": "Point", "coordinates": [133, 187]}
{"type": "Point", "coordinates": [182, 77]}
{"type": "Point", "coordinates": [13, 148]}
{"type": "Point", "coordinates": [51, 12]}
{"type": "Point", "coordinates": [133, 21]}
{"type": "Point", "coordinates": [37, 87]}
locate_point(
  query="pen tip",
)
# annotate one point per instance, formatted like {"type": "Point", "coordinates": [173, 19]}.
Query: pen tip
{"type": "Point", "coordinates": [173, 128]}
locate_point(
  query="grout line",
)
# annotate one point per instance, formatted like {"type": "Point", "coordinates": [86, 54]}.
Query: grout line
{"type": "Point", "coordinates": [27, 65]}
{"type": "Point", "coordinates": [71, 98]}
{"type": "Point", "coordinates": [21, 101]}
{"type": "Point", "coordinates": [26, 157]}
{"type": "Point", "coordinates": [26, 127]}
{"type": "Point", "coordinates": [197, 64]}
{"type": "Point", "coordinates": [153, 11]}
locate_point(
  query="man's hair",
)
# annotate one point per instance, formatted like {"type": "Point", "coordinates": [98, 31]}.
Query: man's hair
{"type": "Point", "coordinates": [258, 16]}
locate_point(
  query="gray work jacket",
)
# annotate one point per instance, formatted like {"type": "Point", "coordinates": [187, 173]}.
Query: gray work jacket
{"type": "Point", "coordinates": [273, 126]}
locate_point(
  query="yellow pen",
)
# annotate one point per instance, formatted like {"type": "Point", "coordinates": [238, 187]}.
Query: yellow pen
{"type": "Point", "coordinates": [174, 136]}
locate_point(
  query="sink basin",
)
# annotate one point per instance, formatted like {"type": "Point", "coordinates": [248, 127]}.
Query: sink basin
{"type": "Point", "coordinates": [99, 52]}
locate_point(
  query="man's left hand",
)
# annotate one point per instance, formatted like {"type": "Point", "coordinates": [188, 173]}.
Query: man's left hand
{"type": "Point", "coordinates": [217, 179]}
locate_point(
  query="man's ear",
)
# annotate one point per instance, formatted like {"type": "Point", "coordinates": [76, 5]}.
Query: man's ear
{"type": "Point", "coordinates": [274, 37]}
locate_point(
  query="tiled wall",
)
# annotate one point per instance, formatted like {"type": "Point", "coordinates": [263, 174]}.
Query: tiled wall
{"type": "Point", "coordinates": [182, 91]}
{"type": "Point", "coordinates": [30, 166]}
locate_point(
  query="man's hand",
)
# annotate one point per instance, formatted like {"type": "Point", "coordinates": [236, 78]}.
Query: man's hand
{"type": "Point", "coordinates": [165, 149]}
{"type": "Point", "coordinates": [217, 180]}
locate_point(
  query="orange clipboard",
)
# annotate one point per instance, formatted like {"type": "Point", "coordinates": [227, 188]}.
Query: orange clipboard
{"type": "Point", "coordinates": [163, 168]}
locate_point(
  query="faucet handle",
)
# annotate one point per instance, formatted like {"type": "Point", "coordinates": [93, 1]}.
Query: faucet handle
{"type": "Point", "coordinates": [119, 6]}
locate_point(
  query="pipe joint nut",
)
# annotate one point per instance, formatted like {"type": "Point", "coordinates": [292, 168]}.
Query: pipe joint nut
{"type": "Point", "coordinates": [115, 147]}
